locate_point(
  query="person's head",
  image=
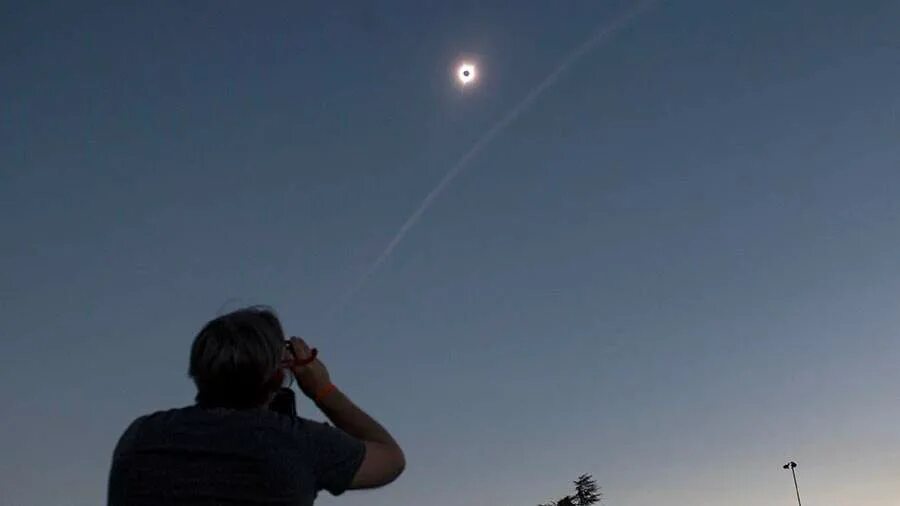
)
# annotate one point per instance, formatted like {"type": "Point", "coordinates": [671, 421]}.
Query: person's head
{"type": "Point", "coordinates": [236, 359]}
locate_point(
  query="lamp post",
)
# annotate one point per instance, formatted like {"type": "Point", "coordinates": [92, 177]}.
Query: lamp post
{"type": "Point", "coordinates": [791, 465]}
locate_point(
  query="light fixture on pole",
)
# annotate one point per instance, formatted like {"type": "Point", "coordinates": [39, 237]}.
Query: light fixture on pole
{"type": "Point", "coordinates": [791, 465]}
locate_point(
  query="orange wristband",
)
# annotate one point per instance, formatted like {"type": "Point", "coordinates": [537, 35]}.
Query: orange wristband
{"type": "Point", "coordinates": [325, 392]}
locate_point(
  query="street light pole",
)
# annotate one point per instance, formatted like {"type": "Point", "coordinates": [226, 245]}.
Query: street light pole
{"type": "Point", "coordinates": [791, 465]}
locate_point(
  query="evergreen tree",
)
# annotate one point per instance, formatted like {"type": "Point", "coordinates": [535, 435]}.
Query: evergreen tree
{"type": "Point", "coordinates": [587, 492]}
{"type": "Point", "coordinates": [566, 501]}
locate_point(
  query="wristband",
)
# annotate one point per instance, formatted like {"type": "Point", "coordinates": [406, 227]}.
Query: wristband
{"type": "Point", "coordinates": [324, 392]}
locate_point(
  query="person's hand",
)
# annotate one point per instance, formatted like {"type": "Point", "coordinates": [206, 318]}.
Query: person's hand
{"type": "Point", "coordinates": [313, 378]}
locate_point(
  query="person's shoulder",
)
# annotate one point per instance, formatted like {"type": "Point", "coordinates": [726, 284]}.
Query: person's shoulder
{"type": "Point", "coordinates": [130, 436]}
{"type": "Point", "coordinates": [301, 430]}
{"type": "Point", "coordinates": [195, 415]}
{"type": "Point", "coordinates": [294, 424]}
{"type": "Point", "coordinates": [312, 433]}
{"type": "Point", "coordinates": [163, 417]}
{"type": "Point", "coordinates": [150, 422]}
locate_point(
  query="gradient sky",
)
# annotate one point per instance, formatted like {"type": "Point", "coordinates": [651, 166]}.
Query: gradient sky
{"type": "Point", "coordinates": [676, 271]}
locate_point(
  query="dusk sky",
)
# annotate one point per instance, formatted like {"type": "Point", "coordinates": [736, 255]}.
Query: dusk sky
{"type": "Point", "coordinates": [677, 269]}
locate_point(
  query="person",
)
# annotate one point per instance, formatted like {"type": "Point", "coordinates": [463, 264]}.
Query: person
{"type": "Point", "coordinates": [229, 448]}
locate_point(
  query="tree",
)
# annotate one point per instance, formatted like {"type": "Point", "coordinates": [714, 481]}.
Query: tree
{"type": "Point", "coordinates": [566, 501]}
{"type": "Point", "coordinates": [587, 491]}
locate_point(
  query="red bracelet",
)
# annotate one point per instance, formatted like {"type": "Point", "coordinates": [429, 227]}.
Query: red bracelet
{"type": "Point", "coordinates": [324, 392]}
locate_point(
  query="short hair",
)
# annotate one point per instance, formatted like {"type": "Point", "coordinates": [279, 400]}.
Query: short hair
{"type": "Point", "coordinates": [235, 358]}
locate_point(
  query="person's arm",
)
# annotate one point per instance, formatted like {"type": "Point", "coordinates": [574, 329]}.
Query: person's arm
{"type": "Point", "coordinates": [384, 460]}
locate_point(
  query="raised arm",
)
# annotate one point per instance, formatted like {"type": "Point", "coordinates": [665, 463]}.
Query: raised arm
{"type": "Point", "coordinates": [384, 460]}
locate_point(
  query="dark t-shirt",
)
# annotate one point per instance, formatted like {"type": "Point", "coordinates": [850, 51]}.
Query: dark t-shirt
{"type": "Point", "coordinates": [218, 456]}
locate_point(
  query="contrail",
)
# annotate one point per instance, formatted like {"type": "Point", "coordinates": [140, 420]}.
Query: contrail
{"type": "Point", "coordinates": [599, 35]}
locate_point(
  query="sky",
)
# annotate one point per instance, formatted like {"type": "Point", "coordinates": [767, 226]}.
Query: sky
{"type": "Point", "coordinates": [676, 269]}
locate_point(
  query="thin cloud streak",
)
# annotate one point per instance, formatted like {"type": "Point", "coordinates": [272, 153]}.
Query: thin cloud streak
{"type": "Point", "coordinates": [603, 33]}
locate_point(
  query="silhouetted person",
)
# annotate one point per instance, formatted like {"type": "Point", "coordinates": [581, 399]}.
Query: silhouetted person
{"type": "Point", "coordinates": [229, 448]}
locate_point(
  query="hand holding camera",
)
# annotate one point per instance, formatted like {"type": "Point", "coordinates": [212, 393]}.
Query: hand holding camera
{"type": "Point", "coordinates": [311, 374]}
